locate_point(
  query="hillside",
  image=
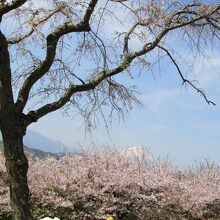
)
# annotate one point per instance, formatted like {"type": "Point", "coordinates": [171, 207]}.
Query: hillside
{"type": "Point", "coordinates": [33, 153]}
{"type": "Point", "coordinates": [41, 142]}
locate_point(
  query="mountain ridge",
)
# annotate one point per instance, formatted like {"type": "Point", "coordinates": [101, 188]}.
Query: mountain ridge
{"type": "Point", "coordinates": [39, 141]}
{"type": "Point", "coordinates": [33, 152]}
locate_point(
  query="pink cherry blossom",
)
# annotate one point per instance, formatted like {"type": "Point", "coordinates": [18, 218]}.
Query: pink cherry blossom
{"type": "Point", "coordinates": [105, 181]}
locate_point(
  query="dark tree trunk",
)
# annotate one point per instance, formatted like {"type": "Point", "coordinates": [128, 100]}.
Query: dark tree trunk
{"type": "Point", "coordinates": [13, 129]}
{"type": "Point", "coordinates": [17, 168]}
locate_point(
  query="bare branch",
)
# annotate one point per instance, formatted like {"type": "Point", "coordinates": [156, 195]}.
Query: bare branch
{"type": "Point", "coordinates": [185, 81]}
{"type": "Point", "coordinates": [159, 25]}
{"type": "Point", "coordinates": [127, 36]}
{"type": "Point", "coordinates": [52, 40]}
{"type": "Point", "coordinates": [35, 25]}
{"type": "Point", "coordinates": [5, 8]}
{"type": "Point", "coordinates": [70, 72]}
{"type": "Point", "coordinates": [89, 11]}
{"type": "Point", "coordinates": [128, 58]}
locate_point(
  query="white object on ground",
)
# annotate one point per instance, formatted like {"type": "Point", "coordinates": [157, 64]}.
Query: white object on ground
{"type": "Point", "coordinates": [47, 218]}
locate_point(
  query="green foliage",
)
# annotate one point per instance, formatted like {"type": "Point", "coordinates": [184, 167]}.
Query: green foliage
{"type": "Point", "coordinates": [5, 216]}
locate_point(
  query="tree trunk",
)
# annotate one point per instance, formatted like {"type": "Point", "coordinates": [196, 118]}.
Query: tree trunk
{"type": "Point", "coordinates": [17, 168]}
{"type": "Point", "coordinates": [13, 129]}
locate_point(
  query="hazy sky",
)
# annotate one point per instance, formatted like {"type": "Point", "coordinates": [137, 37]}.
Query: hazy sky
{"type": "Point", "coordinates": [173, 120]}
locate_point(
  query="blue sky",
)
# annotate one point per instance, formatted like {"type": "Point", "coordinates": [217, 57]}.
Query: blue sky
{"type": "Point", "coordinates": [173, 120]}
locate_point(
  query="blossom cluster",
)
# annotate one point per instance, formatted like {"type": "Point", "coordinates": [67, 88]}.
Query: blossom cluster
{"type": "Point", "coordinates": [104, 181]}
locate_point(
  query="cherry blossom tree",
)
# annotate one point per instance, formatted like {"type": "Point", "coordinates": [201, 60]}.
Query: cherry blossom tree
{"type": "Point", "coordinates": [55, 54]}
{"type": "Point", "coordinates": [104, 182]}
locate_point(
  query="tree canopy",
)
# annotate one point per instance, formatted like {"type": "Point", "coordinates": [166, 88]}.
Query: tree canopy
{"type": "Point", "coordinates": [65, 56]}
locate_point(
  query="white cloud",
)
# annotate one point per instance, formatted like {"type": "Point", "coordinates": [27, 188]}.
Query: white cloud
{"type": "Point", "coordinates": [156, 99]}
{"type": "Point", "coordinates": [207, 71]}
{"type": "Point", "coordinates": [120, 22]}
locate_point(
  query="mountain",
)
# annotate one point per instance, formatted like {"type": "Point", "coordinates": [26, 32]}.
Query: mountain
{"type": "Point", "coordinates": [136, 152]}
{"type": "Point", "coordinates": [34, 153]}
{"type": "Point", "coordinates": [38, 141]}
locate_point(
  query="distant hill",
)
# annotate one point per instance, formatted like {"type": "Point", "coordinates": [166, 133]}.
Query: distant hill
{"type": "Point", "coordinates": [38, 141]}
{"type": "Point", "coordinates": [34, 153]}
